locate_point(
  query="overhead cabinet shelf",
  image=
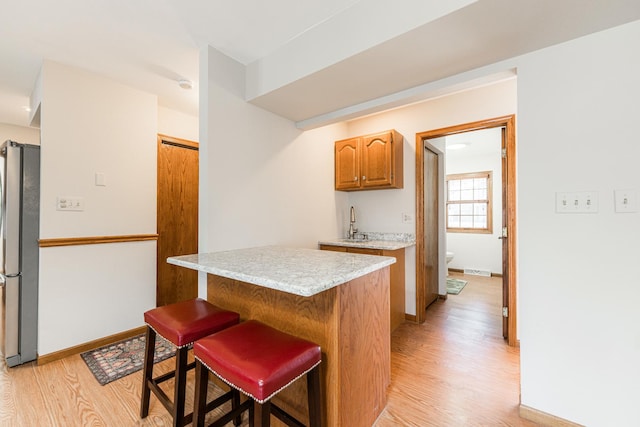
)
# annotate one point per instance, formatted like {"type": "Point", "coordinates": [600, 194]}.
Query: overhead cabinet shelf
{"type": "Point", "coordinates": [369, 162]}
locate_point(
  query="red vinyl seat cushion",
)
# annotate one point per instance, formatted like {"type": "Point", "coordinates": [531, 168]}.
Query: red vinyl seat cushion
{"type": "Point", "coordinates": [257, 359]}
{"type": "Point", "coordinates": [184, 322]}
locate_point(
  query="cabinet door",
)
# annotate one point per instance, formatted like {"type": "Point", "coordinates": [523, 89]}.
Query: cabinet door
{"type": "Point", "coordinates": [377, 160]}
{"type": "Point", "coordinates": [347, 159]}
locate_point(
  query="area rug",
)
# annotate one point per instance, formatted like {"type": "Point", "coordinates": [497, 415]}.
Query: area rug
{"type": "Point", "coordinates": [454, 286]}
{"type": "Point", "coordinates": [120, 359]}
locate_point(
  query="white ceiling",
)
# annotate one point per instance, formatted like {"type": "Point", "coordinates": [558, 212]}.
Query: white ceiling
{"type": "Point", "coordinates": [150, 44]}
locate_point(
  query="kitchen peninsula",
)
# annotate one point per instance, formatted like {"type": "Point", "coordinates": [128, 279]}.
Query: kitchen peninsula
{"type": "Point", "coordinates": [338, 300]}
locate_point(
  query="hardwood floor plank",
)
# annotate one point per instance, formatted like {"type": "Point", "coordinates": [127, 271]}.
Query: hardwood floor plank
{"type": "Point", "coordinates": [453, 370]}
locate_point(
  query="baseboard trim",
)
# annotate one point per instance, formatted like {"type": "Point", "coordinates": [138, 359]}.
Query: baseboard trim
{"type": "Point", "coordinates": [545, 419]}
{"type": "Point", "coordinates": [411, 318]}
{"type": "Point", "coordinates": [91, 345]}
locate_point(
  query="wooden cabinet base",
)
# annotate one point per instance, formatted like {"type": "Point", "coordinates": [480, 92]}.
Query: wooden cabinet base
{"type": "Point", "coordinates": [350, 323]}
{"type": "Point", "coordinates": [397, 283]}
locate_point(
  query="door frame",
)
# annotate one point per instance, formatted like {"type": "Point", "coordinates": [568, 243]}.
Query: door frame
{"type": "Point", "coordinates": [508, 207]}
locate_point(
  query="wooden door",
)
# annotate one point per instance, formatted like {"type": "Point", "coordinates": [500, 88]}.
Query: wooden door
{"type": "Point", "coordinates": [377, 156]}
{"type": "Point", "coordinates": [177, 217]}
{"type": "Point", "coordinates": [431, 228]}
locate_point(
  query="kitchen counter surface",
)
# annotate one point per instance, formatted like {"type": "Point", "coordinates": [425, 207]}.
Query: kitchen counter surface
{"type": "Point", "coordinates": [298, 271]}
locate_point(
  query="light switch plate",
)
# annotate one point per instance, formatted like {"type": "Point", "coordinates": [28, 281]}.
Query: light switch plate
{"type": "Point", "coordinates": [70, 204]}
{"type": "Point", "coordinates": [101, 180]}
{"type": "Point", "coordinates": [577, 202]}
{"type": "Point", "coordinates": [626, 201]}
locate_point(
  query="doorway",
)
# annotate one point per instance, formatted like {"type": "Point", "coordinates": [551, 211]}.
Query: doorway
{"type": "Point", "coordinates": [506, 233]}
{"type": "Point", "coordinates": [177, 218]}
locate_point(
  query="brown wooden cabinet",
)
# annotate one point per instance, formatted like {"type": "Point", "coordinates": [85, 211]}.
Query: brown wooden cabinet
{"type": "Point", "coordinates": [369, 162]}
{"type": "Point", "coordinates": [396, 284]}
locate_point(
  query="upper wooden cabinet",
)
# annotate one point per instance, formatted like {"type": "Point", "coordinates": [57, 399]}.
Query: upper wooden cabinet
{"type": "Point", "coordinates": [369, 162]}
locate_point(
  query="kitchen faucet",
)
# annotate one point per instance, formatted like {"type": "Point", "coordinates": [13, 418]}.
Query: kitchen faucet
{"type": "Point", "coordinates": [352, 221]}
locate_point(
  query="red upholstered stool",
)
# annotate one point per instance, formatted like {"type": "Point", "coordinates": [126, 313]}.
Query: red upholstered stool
{"type": "Point", "coordinates": [259, 361]}
{"type": "Point", "coordinates": [181, 324]}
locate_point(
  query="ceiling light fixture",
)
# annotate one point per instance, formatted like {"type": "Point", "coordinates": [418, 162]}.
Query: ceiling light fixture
{"type": "Point", "coordinates": [185, 84]}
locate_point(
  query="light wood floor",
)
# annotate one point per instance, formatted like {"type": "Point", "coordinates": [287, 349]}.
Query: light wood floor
{"type": "Point", "coordinates": [453, 370]}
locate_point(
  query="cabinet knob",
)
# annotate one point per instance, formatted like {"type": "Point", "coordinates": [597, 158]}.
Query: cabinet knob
{"type": "Point", "coordinates": [364, 177]}
{"type": "Point", "coordinates": [355, 178]}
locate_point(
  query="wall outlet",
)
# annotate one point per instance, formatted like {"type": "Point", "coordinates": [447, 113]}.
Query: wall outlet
{"type": "Point", "coordinates": [407, 218]}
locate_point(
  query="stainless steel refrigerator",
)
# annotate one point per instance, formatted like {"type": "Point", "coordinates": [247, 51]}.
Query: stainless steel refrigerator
{"type": "Point", "coordinates": [20, 234]}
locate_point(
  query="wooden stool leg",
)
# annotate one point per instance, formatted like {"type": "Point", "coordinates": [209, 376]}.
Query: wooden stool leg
{"type": "Point", "coordinates": [235, 402]}
{"type": "Point", "coordinates": [180, 384]}
{"type": "Point", "coordinates": [262, 414]}
{"type": "Point", "coordinates": [313, 387]}
{"type": "Point", "coordinates": [147, 371]}
{"type": "Point", "coordinates": [200, 399]}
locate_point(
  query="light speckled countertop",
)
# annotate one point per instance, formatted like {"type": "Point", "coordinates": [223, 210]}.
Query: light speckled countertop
{"type": "Point", "coordinates": [374, 240]}
{"type": "Point", "coordinates": [304, 272]}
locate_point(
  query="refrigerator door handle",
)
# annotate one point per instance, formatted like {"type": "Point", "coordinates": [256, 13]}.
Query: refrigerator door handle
{"type": "Point", "coordinates": [4, 277]}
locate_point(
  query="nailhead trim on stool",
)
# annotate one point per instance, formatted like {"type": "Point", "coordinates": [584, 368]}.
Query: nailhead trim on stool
{"type": "Point", "coordinates": [180, 323]}
{"type": "Point", "coordinates": [259, 361]}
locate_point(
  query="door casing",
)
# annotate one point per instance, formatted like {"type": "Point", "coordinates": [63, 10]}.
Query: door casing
{"type": "Point", "coordinates": [508, 207]}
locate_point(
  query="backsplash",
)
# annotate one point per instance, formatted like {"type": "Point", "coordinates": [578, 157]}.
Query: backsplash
{"type": "Point", "coordinates": [396, 237]}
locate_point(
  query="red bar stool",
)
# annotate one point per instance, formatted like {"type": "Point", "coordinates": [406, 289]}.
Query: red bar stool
{"type": "Point", "coordinates": [259, 361]}
{"type": "Point", "coordinates": [181, 324]}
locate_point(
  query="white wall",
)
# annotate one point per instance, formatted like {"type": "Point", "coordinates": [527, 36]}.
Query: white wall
{"type": "Point", "coordinates": [178, 124]}
{"type": "Point", "coordinates": [579, 293]}
{"type": "Point", "coordinates": [90, 124]}
{"type": "Point", "coordinates": [381, 210]}
{"type": "Point", "coordinates": [478, 250]}
{"type": "Point", "coordinates": [21, 134]}
{"type": "Point", "coordinates": [262, 181]}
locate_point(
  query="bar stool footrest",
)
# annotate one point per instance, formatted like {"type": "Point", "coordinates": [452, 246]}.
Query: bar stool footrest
{"type": "Point", "coordinates": [285, 417]}
{"type": "Point", "coordinates": [164, 377]}
{"type": "Point", "coordinates": [224, 420]}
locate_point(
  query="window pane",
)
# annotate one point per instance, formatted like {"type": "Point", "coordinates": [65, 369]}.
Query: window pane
{"type": "Point", "coordinates": [454, 222]}
{"type": "Point", "coordinates": [466, 184]}
{"type": "Point", "coordinates": [466, 195]}
{"type": "Point", "coordinates": [466, 209]}
{"type": "Point", "coordinates": [480, 222]}
{"type": "Point", "coordinates": [454, 195]}
{"type": "Point", "coordinates": [454, 209]}
{"type": "Point", "coordinates": [466, 221]}
{"type": "Point", "coordinates": [480, 183]}
{"type": "Point", "coordinates": [454, 184]}
{"type": "Point", "coordinates": [480, 209]}
{"type": "Point", "coordinates": [480, 194]}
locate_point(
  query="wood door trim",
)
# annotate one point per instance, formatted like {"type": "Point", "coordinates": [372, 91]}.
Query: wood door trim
{"type": "Point", "coordinates": [95, 240]}
{"type": "Point", "coordinates": [509, 123]}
